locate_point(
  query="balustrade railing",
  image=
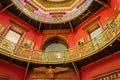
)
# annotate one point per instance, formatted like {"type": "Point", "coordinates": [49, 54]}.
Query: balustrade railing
{"type": "Point", "coordinates": [89, 48]}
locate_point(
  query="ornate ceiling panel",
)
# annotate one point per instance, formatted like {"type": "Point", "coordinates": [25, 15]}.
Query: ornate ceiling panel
{"type": "Point", "coordinates": [53, 17]}
{"type": "Point", "coordinates": [52, 12]}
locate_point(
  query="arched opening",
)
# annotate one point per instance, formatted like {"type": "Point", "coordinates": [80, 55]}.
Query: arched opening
{"type": "Point", "coordinates": [55, 47]}
{"type": "Point", "coordinates": [55, 44]}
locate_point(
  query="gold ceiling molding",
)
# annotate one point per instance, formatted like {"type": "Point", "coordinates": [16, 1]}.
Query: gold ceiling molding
{"type": "Point", "coordinates": [42, 13]}
{"type": "Point", "coordinates": [56, 0]}
{"type": "Point", "coordinates": [55, 7]}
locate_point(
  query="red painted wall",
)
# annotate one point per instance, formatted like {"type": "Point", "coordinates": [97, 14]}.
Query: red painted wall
{"type": "Point", "coordinates": [106, 14]}
{"type": "Point", "coordinates": [12, 71]}
{"type": "Point", "coordinates": [38, 41]}
{"type": "Point", "coordinates": [108, 64]}
{"type": "Point", "coordinates": [71, 38]}
{"type": "Point", "coordinates": [115, 5]}
{"type": "Point", "coordinates": [30, 34]}
{"type": "Point", "coordinates": [105, 65]}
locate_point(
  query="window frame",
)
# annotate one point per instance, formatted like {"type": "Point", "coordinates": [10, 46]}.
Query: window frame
{"type": "Point", "coordinates": [91, 27]}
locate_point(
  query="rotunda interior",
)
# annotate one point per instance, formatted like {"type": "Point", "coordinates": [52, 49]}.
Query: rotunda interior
{"type": "Point", "coordinates": [59, 39]}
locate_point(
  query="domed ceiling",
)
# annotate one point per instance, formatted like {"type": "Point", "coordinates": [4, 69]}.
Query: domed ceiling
{"type": "Point", "coordinates": [52, 11]}
{"type": "Point", "coordinates": [53, 14]}
{"type": "Point", "coordinates": [46, 9]}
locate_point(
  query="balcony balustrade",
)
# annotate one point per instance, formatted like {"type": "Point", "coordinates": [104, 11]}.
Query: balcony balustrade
{"type": "Point", "coordinates": [110, 34]}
